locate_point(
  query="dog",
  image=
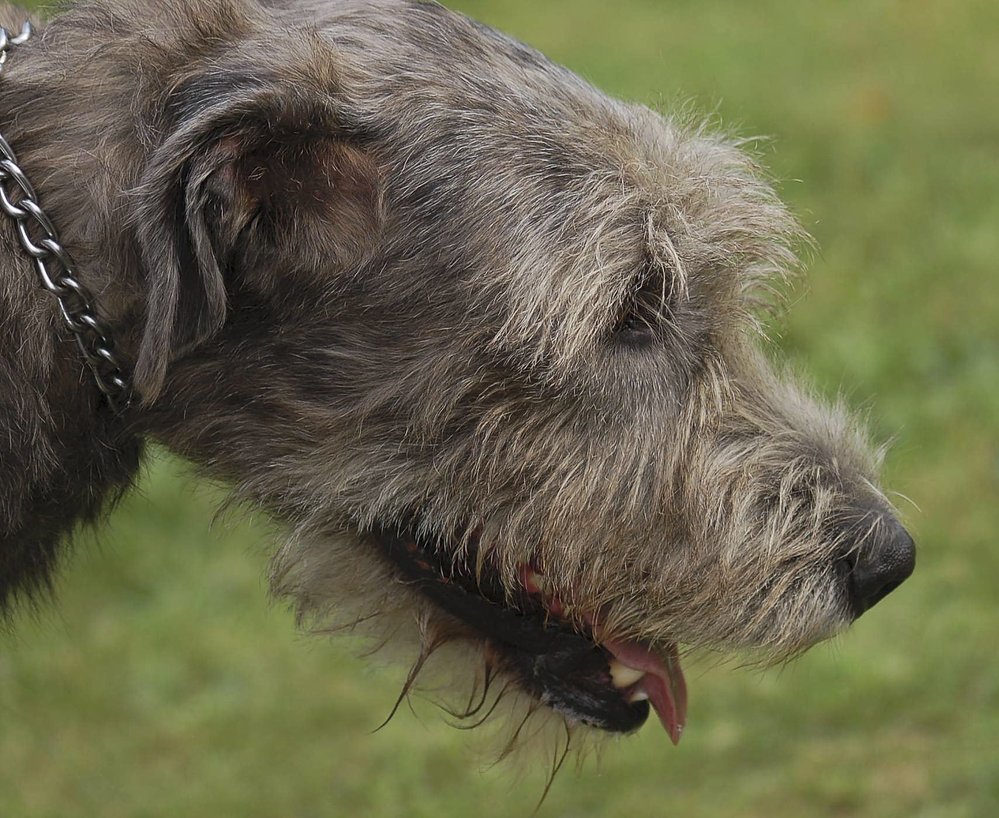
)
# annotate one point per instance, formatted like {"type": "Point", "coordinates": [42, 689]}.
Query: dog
{"type": "Point", "coordinates": [485, 340]}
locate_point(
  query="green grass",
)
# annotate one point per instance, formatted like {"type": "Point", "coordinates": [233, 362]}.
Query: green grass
{"type": "Point", "coordinates": [165, 684]}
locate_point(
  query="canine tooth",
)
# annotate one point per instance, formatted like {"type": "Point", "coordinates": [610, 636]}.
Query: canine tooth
{"type": "Point", "coordinates": [638, 696]}
{"type": "Point", "coordinates": [622, 675]}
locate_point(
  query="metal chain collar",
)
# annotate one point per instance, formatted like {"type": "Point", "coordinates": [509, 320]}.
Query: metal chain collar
{"type": "Point", "coordinates": [55, 266]}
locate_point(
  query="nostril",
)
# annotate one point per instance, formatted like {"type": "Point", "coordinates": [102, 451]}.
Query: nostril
{"type": "Point", "coordinates": [882, 563]}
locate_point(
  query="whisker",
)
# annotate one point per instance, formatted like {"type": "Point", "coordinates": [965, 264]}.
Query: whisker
{"type": "Point", "coordinates": [557, 762]}
{"type": "Point", "coordinates": [407, 686]}
{"type": "Point", "coordinates": [908, 499]}
{"type": "Point", "coordinates": [489, 712]}
{"type": "Point", "coordinates": [512, 743]}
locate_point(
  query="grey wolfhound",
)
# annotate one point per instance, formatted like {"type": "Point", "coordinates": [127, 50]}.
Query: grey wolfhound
{"type": "Point", "coordinates": [485, 340]}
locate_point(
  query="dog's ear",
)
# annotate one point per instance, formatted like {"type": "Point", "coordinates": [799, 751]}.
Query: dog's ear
{"type": "Point", "coordinates": [263, 175]}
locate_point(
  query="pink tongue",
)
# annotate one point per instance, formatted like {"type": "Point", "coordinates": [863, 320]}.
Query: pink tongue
{"type": "Point", "coordinates": [663, 682]}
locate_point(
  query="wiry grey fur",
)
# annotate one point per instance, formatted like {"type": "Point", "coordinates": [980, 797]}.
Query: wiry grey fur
{"type": "Point", "coordinates": [368, 259]}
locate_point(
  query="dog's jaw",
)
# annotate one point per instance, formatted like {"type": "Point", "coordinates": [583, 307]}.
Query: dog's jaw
{"type": "Point", "coordinates": [568, 666]}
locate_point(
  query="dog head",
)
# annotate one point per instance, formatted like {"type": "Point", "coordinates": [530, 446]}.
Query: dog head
{"type": "Point", "coordinates": [489, 342]}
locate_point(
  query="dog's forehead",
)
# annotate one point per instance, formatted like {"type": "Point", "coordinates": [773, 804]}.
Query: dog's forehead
{"type": "Point", "coordinates": [429, 69]}
{"type": "Point", "coordinates": [544, 174]}
{"type": "Point", "coordinates": [514, 130]}
{"type": "Point", "coordinates": [494, 101]}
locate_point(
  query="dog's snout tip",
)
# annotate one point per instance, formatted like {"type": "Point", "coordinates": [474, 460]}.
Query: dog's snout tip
{"type": "Point", "coordinates": [883, 563]}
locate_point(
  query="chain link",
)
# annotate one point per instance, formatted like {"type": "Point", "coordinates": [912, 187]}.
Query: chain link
{"type": "Point", "coordinates": [55, 267]}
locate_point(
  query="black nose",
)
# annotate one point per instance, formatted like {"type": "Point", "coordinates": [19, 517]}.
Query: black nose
{"type": "Point", "coordinates": [880, 564]}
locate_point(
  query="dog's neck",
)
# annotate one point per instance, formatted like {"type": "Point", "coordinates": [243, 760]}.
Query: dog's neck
{"type": "Point", "coordinates": [63, 452]}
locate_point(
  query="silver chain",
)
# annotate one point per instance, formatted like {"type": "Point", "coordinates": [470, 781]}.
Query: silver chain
{"type": "Point", "coordinates": [55, 266]}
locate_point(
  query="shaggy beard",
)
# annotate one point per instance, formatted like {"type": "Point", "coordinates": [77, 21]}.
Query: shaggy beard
{"type": "Point", "coordinates": [335, 592]}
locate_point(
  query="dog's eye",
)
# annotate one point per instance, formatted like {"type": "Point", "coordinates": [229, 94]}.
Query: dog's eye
{"type": "Point", "coordinates": [643, 312]}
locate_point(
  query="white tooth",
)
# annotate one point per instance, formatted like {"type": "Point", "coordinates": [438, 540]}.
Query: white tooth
{"type": "Point", "coordinates": [622, 675]}
{"type": "Point", "coordinates": [638, 696]}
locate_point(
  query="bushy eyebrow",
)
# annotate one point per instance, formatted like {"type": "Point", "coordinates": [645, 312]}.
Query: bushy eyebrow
{"type": "Point", "coordinates": [664, 262]}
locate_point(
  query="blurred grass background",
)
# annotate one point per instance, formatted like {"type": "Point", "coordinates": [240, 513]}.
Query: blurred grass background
{"type": "Point", "coordinates": [164, 684]}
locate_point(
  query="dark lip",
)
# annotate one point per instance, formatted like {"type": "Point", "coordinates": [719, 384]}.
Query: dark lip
{"type": "Point", "coordinates": [558, 665]}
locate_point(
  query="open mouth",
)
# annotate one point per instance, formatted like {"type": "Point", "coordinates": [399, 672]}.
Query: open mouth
{"type": "Point", "coordinates": [605, 683]}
